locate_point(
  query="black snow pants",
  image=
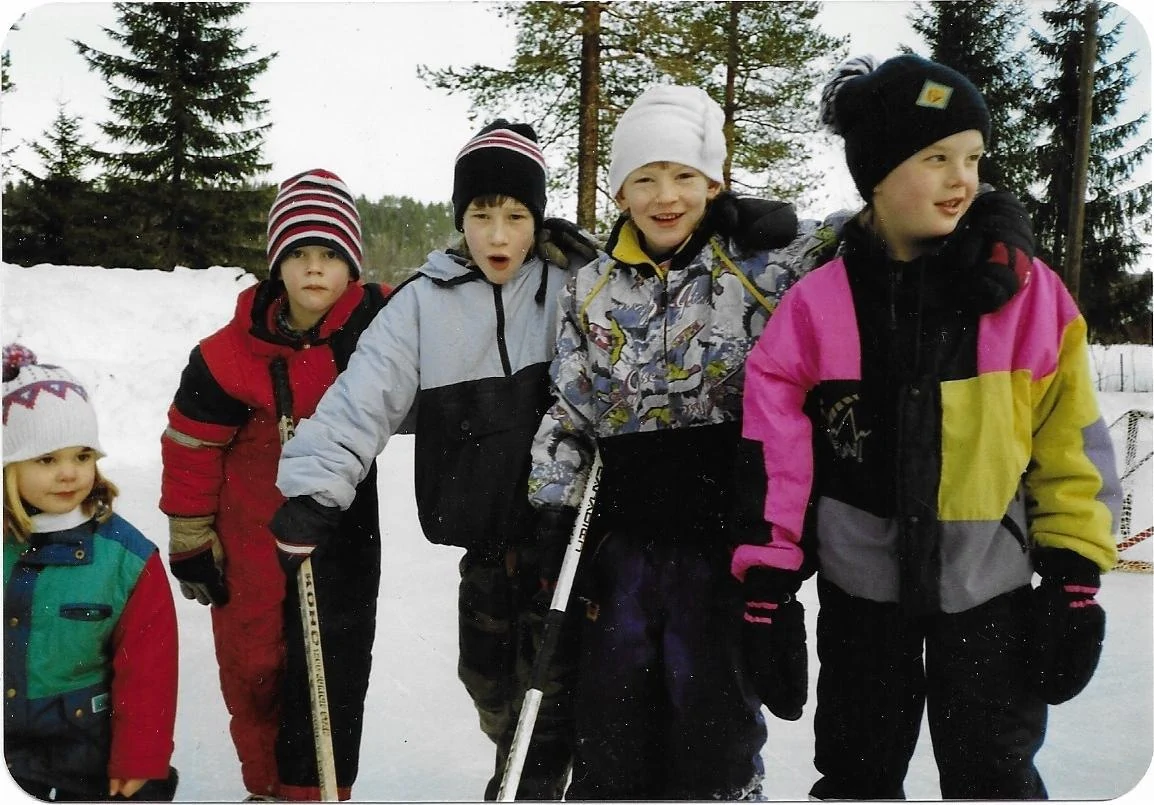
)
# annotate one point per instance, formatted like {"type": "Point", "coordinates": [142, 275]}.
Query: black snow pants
{"type": "Point", "coordinates": [500, 630]}
{"type": "Point", "coordinates": [880, 669]}
{"type": "Point", "coordinates": [348, 578]}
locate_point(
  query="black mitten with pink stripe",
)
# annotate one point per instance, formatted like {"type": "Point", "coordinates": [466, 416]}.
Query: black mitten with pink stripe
{"type": "Point", "coordinates": [773, 636]}
{"type": "Point", "coordinates": [1069, 624]}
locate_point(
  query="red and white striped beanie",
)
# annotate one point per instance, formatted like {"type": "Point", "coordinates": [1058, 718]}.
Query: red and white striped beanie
{"type": "Point", "coordinates": [314, 208]}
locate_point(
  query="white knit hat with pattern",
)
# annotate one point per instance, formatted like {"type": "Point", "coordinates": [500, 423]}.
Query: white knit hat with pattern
{"type": "Point", "coordinates": [45, 408]}
{"type": "Point", "coordinates": [669, 123]}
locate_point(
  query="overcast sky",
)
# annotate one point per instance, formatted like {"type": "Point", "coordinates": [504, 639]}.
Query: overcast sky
{"type": "Point", "coordinates": [344, 92]}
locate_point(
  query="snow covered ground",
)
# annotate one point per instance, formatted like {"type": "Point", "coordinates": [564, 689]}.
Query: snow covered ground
{"type": "Point", "coordinates": [127, 335]}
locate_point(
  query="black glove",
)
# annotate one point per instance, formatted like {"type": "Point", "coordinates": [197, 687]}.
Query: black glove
{"type": "Point", "coordinates": [554, 530]}
{"type": "Point", "coordinates": [1069, 625]}
{"type": "Point", "coordinates": [993, 249]}
{"type": "Point", "coordinates": [559, 241]}
{"type": "Point", "coordinates": [754, 224]}
{"type": "Point", "coordinates": [773, 636]}
{"type": "Point", "coordinates": [301, 526]}
{"type": "Point", "coordinates": [196, 559]}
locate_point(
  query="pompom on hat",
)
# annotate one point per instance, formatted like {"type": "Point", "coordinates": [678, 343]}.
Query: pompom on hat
{"type": "Point", "coordinates": [45, 408]}
{"type": "Point", "coordinates": [502, 159]}
{"type": "Point", "coordinates": [888, 112]}
{"type": "Point", "coordinates": [314, 208]}
{"type": "Point", "coordinates": [669, 123]}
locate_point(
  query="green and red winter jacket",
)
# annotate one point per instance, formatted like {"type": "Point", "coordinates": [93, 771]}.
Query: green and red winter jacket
{"type": "Point", "coordinates": [90, 655]}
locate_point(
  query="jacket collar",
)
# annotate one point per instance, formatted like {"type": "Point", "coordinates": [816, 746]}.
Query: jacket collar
{"type": "Point", "coordinates": [68, 546]}
{"type": "Point", "coordinates": [624, 244]}
{"type": "Point", "coordinates": [940, 282]}
{"type": "Point", "coordinates": [256, 307]}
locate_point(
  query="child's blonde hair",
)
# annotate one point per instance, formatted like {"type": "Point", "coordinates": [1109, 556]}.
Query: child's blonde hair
{"type": "Point", "coordinates": [18, 522]}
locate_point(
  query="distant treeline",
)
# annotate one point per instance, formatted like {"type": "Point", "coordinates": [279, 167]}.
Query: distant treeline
{"type": "Point", "coordinates": [65, 221]}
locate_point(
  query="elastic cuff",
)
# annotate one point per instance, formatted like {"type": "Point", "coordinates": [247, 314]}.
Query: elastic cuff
{"type": "Point", "coordinates": [771, 584]}
{"type": "Point", "coordinates": [1067, 565]}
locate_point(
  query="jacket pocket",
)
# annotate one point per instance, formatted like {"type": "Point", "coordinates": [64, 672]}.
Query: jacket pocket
{"type": "Point", "coordinates": [85, 612]}
{"type": "Point", "coordinates": [87, 742]}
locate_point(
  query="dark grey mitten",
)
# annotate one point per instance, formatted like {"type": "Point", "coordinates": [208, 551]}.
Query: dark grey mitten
{"type": "Point", "coordinates": [565, 244]}
{"type": "Point", "coordinates": [773, 636]}
{"type": "Point", "coordinates": [1069, 625]}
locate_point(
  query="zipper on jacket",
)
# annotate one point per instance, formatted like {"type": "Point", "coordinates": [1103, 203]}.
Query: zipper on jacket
{"type": "Point", "coordinates": [502, 347]}
{"type": "Point", "coordinates": [1016, 532]}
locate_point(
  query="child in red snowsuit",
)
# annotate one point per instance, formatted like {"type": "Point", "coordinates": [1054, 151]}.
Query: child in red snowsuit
{"type": "Point", "coordinates": [220, 454]}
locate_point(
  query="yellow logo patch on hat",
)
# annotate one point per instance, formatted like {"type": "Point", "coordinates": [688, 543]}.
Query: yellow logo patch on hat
{"type": "Point", "coordinates": [934, 95]}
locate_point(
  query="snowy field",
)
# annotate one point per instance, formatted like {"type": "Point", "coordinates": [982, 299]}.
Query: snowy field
{"type": "Point", "coordinates": [127, 334]}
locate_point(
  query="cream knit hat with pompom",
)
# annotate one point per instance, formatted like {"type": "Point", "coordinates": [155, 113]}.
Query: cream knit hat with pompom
{"type": "Point", "coordinates": [669, 123]}
{"type": "Point", "coordinates": [45, 408]}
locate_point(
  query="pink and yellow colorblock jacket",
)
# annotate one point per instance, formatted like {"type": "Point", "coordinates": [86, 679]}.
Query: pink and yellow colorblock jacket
{"type": "Point", "coordinates": [926, 446]}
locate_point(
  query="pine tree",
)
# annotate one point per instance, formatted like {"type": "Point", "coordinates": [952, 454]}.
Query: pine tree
{"type": "Point", "coordinates": [48, 217]}
{"type": "Point", "coordinates": [62, 152]}
{"type": "Point", "coordinates": [1113, 297]}
{"type": "Point", "coordinates": [759, 60]}
{"type": "Point", "coordinates": [979, 39]}
{"type": "Point", "coordinates": [183, 107]}
{"type": "Point", "coordinates": [6, 86]}
{"type": "Point", "coordinates": [543, 84]}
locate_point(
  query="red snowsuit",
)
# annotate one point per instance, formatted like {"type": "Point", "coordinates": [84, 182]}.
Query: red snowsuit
{"type": "Point", "coordinates": [220, 454]}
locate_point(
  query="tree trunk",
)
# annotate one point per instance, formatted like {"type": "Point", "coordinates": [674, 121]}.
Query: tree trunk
{"type": "Point", "coordinates": [729, 104]}
{"type": "Point", "coordinates": [1073, 262]}
{"type": "Point", "coordinates": [589, 95]}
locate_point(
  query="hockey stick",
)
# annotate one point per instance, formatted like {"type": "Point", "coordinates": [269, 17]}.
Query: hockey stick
{"type": "Point", "coordinates": [310, 617]}
{"type": "Point", "coordinates": [552, 632]}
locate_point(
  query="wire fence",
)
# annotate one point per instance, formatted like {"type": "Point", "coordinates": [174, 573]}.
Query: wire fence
{"type": "Point", "coordinates": [1122, 367]}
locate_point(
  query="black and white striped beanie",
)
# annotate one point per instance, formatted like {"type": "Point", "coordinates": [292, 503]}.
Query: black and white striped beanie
{"type": "Point", "coordinates": [314, 208]}
{"type": "Point", "coordinates": [502, 159]}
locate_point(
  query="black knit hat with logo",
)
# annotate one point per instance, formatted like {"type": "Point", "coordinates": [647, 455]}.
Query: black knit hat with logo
{"type": "Point", "coordinates": [887, 113]}
{"type": "Point", "coordinates": [503, 159]}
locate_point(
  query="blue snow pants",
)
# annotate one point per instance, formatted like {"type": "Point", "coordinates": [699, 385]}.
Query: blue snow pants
{"type": "Point", "coordinates": [880, 670]}
{"type": "Point", "coordinates": [663, 711]}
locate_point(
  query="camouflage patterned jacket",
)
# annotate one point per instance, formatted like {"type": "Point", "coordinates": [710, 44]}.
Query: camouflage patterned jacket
{"type": "Point", "coordinates": [650, 366]}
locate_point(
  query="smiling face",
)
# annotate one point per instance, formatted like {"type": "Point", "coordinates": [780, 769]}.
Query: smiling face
{"type": "Point", "coordinates": [56, 482]}
{"type": "Point", "coordinates": [314, 277]}
{"type": "Point", "coordinates": [666, 201]}
{"type": "Point", "coordinates": [923, 198]}
{"type": "Point", "coordinates": [499, 236]}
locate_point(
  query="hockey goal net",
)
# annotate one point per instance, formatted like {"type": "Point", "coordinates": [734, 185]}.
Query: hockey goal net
{"type": "Point", "coordinates": [1131, 433]}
